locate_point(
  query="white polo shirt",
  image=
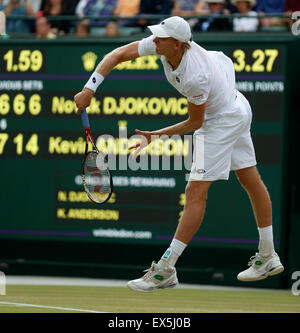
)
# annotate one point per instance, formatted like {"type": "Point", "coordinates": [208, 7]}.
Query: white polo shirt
{"type": "Point", "coordinates": [202, 76]}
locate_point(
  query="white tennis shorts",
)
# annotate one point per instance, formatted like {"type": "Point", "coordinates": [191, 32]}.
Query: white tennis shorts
{"type": "Point", "coordinates": [224, 143]}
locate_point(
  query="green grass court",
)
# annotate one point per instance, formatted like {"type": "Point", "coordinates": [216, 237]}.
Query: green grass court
{"type": "Point", "coordinates": [63, 299]}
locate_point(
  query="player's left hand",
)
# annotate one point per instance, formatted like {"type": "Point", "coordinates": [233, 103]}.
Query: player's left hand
{"type": "Point", "coordinates": [145, 140]}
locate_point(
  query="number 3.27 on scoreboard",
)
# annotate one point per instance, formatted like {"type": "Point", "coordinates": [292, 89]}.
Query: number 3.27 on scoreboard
{"type": "Point", "coordinates": [262, 60]}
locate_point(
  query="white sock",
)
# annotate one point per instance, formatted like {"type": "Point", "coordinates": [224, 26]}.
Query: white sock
{"type": "Point", "coordinates": [266, 244]}
{"type": "Point", "coordinates": [172, 254]}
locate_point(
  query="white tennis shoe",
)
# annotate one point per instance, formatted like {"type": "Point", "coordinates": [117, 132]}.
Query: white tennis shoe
{"type": "Point", "coordinates": [157, 277]}
{"type": "Point", "coordinates": [261, 268]}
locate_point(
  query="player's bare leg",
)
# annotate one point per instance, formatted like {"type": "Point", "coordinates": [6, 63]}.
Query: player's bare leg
{"type": "Point", "coordinates": [191, 219]}
{"type": "Point", "coordinates": [194, 208]}
{"type": "Point", "coordinates": [258, 194]}
{"type": "Point", "coordinates": [266, 262]}
{"type": "Point", "coordinates": [163, 274]}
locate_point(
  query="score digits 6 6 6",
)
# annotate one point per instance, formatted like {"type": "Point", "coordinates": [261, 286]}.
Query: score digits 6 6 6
{"type": "Point", "coordinates": [18, 104]}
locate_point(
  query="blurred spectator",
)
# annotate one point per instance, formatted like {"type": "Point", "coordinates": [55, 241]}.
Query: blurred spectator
{"type": "Point", "coordinates": [270, 7]}
{"type": "Point", "coordinates": [96, 8]}
{"type": "Point", "coordinates": [83, 28]}
{"type": "Point", "coordinates": [112, 29]}
{"type": "Point", "coordinates": [69, 4]}
{"type": "Point", "coordinates": [189, 8]}
{"type": "Point", "coordinates": [43, 28]}
{"type": "Point", "coordinates": [57, 8]}
{"type": "Point", "coordinates": [19, 8]}
{"type": "Point", "coordinates": [292, 6]}
{"type": "Point", "coordinates": [244, 23]}
{"type": "Point", "coordinates": [154, 7]}
{"type": "Point", "coordinates": [232, 9]}
{"type": "Point", "coordinates": [79, 10]}
{"type": "Point", "coordinates": [216, 7]}
{"type": "Point", "coordinates": [125, 9]}
{"type": "Point", "coordinates": [2, 4]}
{"type": "Point", "coordinates": [35, 4]}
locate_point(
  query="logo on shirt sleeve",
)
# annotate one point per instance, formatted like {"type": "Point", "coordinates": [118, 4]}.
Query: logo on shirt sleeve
{"type": "Point", "coordinates": [198, 99]}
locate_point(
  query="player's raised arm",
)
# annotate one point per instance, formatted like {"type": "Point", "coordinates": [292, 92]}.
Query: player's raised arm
{"type": "Point", "coordinates": [118, 55]}
{"type": "Point", "coordinates": [106, 65]}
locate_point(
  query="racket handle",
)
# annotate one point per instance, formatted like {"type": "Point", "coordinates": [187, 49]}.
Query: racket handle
{"type": "Point", "coordinates": [85, 119]}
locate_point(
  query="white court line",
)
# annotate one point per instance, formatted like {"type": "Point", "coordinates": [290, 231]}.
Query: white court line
{"type": "Point", "coordinates": [49, 307]}
{"type": "Point", "coordinates": [91, 282]}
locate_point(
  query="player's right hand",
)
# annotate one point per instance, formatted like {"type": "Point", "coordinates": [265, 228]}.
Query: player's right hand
{"type": "Point", "coordinates": [83, 99]}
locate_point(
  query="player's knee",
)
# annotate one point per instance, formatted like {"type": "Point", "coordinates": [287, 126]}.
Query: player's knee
{"type": "Point", "coordinates": [195, 192]}
{"type": "Point", "coordinates": [251, 181]}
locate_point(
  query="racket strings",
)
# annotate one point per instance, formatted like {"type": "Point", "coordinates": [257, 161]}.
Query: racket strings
{"type": "Point", "coordinates": [97, 179]}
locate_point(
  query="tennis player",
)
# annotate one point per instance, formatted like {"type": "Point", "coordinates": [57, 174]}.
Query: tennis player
{"type": "Point", "coordinates": [220, 117]}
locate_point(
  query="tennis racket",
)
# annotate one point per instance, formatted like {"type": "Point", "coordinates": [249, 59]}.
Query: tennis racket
{"type": "Point", "coordinates": [96, 176]}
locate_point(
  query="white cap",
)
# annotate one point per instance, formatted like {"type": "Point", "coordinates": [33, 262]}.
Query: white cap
{"type": "Point", "coordinates": [175, 27]}
{"type": "Point", "coordinates": [252, 2]}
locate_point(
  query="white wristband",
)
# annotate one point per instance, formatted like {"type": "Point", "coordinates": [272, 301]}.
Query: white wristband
{"type": "Point", "coordinates": [94, 81]}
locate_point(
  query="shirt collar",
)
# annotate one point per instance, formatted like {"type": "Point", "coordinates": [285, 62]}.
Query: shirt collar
{"type": "Point", "coordinates": [181, 66]}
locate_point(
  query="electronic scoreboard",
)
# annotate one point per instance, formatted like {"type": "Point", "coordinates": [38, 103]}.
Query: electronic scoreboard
{"type": "Point", "coordinates": [42, 145]}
